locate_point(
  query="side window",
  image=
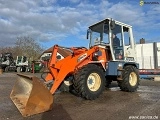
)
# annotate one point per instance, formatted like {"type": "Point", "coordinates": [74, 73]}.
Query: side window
{"type": "Point", "coordinates": [105, 38]}
{"type": "Point", "coordinates": [19, 59]}
{"type": "Point", "coordinates": [117, 42]}
{"type": "Point", "coordinates": [106, 34]}
{"type": "Point", "coordinates": [126, 36]}
{"type": "Point", "coordinates": [24, 59]}
{"type": "Point", "coordinates": [117, 36]}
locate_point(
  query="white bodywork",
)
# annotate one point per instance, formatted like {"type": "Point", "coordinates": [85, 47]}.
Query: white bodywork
{"type": "Point", "coordinates": [122, 46]}
{"type": "Point", "coordinates": [21, 62]}
{"type": "Point", "coordinates": [49, 54]}
{"type": "Point", "coordinates": [146, 55]}
{"type": "Point", "coordinates": [7, 62]}
{"type": "Point", "coordinates": [130, 50]}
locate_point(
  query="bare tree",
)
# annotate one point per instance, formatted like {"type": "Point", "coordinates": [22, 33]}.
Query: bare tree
{"type": "Point", "coordinates": [6, 50]}
{"type": "Point", "coordinates": [26, 46]}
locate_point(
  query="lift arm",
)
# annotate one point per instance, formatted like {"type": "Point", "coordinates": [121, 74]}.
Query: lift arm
{"type": "Point", "coordinates": [60, 69]}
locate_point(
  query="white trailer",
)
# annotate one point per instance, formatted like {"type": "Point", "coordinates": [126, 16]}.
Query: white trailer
{"type": "Point", "coordinates": [148, 57]}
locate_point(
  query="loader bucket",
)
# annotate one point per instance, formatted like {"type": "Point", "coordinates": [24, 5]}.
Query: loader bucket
{"type": "Point", "coordinates": [31, 96]}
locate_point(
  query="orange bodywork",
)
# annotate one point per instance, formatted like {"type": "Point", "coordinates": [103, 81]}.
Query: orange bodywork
{"type": "Point", "coordinates": [80, 57]}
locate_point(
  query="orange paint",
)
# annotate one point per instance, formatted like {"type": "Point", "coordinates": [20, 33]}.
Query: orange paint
{"type": "Point", "coordinates": [60, 69]}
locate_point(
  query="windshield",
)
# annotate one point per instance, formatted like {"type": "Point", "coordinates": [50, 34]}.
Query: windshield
{"type": "Point", "coordinates": [99, 34]}
{"type": "Point", "coordinates": [24, 59]}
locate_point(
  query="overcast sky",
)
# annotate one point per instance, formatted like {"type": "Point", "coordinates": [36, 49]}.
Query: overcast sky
{"type": "Point", "coordinates": [65, 22]}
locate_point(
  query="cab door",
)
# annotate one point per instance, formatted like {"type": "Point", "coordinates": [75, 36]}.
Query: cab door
{"type": "Point", "coordinates": [117, 43]}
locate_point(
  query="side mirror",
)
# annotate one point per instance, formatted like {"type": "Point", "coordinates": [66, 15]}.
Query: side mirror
{"type": "Point", "coordinates": [112, 24]}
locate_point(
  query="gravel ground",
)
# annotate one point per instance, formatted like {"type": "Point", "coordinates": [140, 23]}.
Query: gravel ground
{"type": "Point", "coordinates": [113, 104]}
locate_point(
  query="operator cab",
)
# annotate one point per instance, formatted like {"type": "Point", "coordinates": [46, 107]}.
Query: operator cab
{"type": "Point", "coordinates": [116, 36]}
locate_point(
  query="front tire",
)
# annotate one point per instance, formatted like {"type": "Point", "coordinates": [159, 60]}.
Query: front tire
{"type": "Point", "coordinates": [89, 81]}
{"type": "Point", "coordinates": [6, 69]}
{"type": "Point", "coordinates": [130, 79]}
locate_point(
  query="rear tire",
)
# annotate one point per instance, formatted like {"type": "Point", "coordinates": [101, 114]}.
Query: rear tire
{"type": "Point", "coordinates": [23, 69]}
{"type": "Point", "coordinates": [108, 81]}
{"type": "Point", "coordinates": [27, 69]}
{"type": "Point", "coordinates": [130, 80]}
{"type": "Point", "coordinates": [19, 69]}
{"type": "Point", "coordinates": [66, 86]}
{"type": "Point", "coordinates": [89, 81]}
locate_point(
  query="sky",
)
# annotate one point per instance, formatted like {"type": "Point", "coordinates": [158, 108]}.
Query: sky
{"type": "Point", "coordinates": [65, 22]}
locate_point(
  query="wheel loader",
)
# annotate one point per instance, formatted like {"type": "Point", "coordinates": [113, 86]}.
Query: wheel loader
{"type": "Point", "coordinates": [7, 63]}
{"type": "Point", "coordinates": [22, 64]}
{"type": "Point", "coordinates": [111, 56]}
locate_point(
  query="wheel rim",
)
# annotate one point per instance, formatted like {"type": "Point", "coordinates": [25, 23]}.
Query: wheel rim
{"type": "Point", "coordinates": [93, 82]}
{"type": "Point", "coordinates": [133, 79]}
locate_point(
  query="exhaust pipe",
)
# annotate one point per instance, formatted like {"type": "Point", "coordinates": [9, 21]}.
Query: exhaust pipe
{"type": "Point", "coordinates": [31, 96]}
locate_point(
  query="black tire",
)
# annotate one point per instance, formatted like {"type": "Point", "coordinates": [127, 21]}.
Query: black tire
{"type": "Point", "coordinates": [65, 86]}
{"type": "Point", "coordinates": [81, 81]}
{"type": "Point", "coordinates": [108, 83]}
{"type": "Point", "coordinates": [6, 69]}
{"type": "Point", "coordinates": [23, 69]}
{"type": "Point", "coordinates": [27, 69]}
{"type": "Point", "coordinates": [19, 69]}
{"type": "Point", "coordinates": [130, 79]}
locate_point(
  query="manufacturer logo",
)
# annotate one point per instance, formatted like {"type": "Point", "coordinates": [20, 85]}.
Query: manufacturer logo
{"type": "Point", "coordinates": [129, 59]}
{"type": "Point", "coordinates": [82, 57]}
{"type": "Point", "coordinates": [141, 3]}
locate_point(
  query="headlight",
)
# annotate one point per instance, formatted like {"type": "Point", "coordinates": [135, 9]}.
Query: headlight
{"type": "Point", "coordinates": [99, 53]}
{"type": "Point", "coordinates": [120, 66]}
{"type": "Point", "coordinates": [96, 54]}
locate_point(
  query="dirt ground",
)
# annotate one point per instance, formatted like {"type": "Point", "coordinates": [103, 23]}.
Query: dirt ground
{"type": "Point", "coordinates": [113, 104]}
